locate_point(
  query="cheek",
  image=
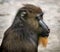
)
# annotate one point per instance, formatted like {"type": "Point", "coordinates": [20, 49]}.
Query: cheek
{"type": "Point", "coordinates": [33, 23]}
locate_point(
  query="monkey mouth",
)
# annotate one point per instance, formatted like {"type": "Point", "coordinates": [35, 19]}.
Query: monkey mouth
{"type": "Point", "coordinates": [44, 34]}
{"type": "Point", "coordinates": [43, 39]}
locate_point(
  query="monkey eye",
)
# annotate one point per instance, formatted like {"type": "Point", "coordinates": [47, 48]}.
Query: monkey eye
{"type": "Point", "coordinates": [39, 16]}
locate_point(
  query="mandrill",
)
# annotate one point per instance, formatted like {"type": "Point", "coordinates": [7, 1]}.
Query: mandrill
{"type": "Point", "coordinates": [26, 31]}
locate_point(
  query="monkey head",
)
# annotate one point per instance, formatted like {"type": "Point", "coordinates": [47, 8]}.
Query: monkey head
{"type": "Point", "coordinates": [32, 16]}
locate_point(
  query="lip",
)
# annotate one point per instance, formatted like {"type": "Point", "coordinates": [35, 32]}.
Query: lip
{"type": "Point", "coordinates": [43, 34]}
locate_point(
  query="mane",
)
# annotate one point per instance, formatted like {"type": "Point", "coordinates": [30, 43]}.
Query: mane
{"type": "Point", "coordinates": [25, 32]}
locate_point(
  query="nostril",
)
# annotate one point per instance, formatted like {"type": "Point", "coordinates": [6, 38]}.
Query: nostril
{"type": "Point", "coordinates": [48, 30]}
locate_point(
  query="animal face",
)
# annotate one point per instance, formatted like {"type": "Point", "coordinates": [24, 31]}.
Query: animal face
{"type": "Point", "coordinates": [33, 16]}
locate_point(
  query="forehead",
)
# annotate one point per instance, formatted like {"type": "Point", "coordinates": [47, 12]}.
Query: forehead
{"type": "Point", "coordinates": [33, 8]}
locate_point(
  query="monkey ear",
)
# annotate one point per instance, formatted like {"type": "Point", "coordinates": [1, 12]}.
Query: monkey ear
{"type": "Point", "coordinates": [23, 12]}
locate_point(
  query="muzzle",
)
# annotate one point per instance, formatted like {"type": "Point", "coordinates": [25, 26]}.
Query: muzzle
{"type": "Point", "coordinates": [46, 30]}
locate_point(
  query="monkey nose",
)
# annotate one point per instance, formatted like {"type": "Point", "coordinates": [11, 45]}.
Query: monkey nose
{"type": "Point", "coordinates": [48, 30]}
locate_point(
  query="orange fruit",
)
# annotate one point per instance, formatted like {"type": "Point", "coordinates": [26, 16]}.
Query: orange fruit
{"type": "Point", "coordinates": [43, 41]}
